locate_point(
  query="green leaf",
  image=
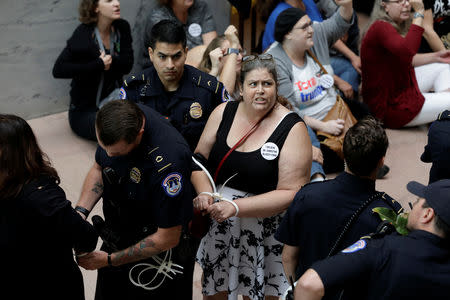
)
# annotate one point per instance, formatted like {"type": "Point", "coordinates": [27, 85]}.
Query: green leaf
{"type": "Point", "coordinates": [399, 221]}
{"type": "Point", "coordinates": [386, 214]}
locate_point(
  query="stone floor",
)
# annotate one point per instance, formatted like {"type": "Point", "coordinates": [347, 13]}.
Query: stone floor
{"type": "Point", "coordinates": [73, 156]}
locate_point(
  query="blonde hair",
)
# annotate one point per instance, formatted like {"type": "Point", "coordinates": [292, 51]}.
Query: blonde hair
{"type": "Point", "coordinates": [379, 13]}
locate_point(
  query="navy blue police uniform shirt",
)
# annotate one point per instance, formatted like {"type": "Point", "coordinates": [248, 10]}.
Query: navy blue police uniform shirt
{"type": "Point", "coordinates": [416, 266]}
{"type": "Point", "coordinates": [437, 151]}
{"type": "Point", "coordinates": [319, 212]}
{"type": "Point", "coordinates": [150, 187]}
{"type": "Point", "coordinates": [188, 108]}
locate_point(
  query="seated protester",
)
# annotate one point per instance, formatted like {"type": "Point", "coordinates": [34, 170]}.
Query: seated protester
{"type": "Point", "coordinates": [181, 93]}
{"type": "Point", "coordinates": [222, 59]}
{"type": "Point", "coordinates": [413, 267]}
{"type": "Point", "coordinates": [437, 151]}
{"type": "Point", "coordinates": [320, 212]}
{"type": "Point", "coordinates": [347, 88]}
{"type": "Point", "coordinates": [300, 75]}
{"type": "Point", "coordinates": [436, 25]}
{"type": "Point", "coordinates": [198, 23]}
{"type": "Point", "coordinates": [96, 68]}
{"type": "Point", "coordinates": [270, 10]}
{"type": "Point", "coordinates": [396, 81]}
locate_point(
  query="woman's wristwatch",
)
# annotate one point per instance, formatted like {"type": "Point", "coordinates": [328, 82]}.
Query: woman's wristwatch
{"type": "Point", "coordinates": [418, 15]}
{"type": "Point", "coordinates": [232, 50]}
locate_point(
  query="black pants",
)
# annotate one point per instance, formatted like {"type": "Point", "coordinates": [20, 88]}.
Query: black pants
{"type": "Point", "coordinates": [82, 123]}
{"type": "Point", "coordinates": [114, 283]}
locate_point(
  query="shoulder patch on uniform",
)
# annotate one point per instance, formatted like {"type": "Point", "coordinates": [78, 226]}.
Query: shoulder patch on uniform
{"type": "Point", "coordinates": [122, 94]}
{"type": "Point", "coordinates": [172, 184]}
{"type": "Point", "coordinates": [225, 95]}
{"type": "Point", "coordinates": [359, 245]}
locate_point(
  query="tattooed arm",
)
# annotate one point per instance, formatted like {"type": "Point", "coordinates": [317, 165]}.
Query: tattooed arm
{"type": "Point", "coordinates": [163, 239]}
{"type": "Point", "coordinates": [92, 188]}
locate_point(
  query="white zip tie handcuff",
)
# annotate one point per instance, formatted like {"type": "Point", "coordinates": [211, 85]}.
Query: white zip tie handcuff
{"type": "Point", "coordinates": [217, 196]}
{"type": "Point", "coordinates": [165, 267]}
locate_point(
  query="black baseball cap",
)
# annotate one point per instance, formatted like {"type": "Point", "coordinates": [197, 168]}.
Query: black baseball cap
{"type": "Point", "coordinates": [437, 195]}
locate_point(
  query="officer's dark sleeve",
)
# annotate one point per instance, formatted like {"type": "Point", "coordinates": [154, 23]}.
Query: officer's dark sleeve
{"type": "Point", "coordinates": [221, 94]}
{"type": "Point", "coordinates": [123, 62]}
{"type": "Point", "coordinates": [356, 262]}
{"type": "Point", "coordinates": [51, 204]}
{"type": "Point", "coordinates": [174, 191]}
{"type": "Point", "coordinates": [99, 153]}
{"type": "Point", "coordinates": [292, 223]}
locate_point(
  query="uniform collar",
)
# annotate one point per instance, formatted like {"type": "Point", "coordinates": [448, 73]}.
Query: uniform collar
{"type": "Point", "coordinates": [156, 87]}
{"type": "Point", "coordinates": [430, 237]}
{"type": "Point", "coordinates": [358, 184]}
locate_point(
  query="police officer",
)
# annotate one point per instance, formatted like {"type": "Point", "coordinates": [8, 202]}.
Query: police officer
{"type": "Point", "coordinates": [140, 170]}
{"type": "Point", "coordinates": [326, 216]}
{"type": "Point", "coordinates": [416, 266]}
{"type": "Point", "coordinates": [183, 94]}
{"type": "Point", "coordinates": [437, 151]}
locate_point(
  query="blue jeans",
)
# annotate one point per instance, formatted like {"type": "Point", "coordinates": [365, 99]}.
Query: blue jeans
{"type": "Point", "coordinates": [343, 68]}
{"type": "Point", "coordinates": [315, 166]}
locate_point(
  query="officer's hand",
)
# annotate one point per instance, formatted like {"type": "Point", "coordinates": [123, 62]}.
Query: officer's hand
{"type": "Point", "coordinates": [93, 260]}
{"type": "Point", "coordinates": [202, 202]}
{"type": "Point", "coordinates": [107, 60]}
{"type": "Point", "coordinates": [221, 211]}
{"type": "Point", "coordinates": [333, 127]}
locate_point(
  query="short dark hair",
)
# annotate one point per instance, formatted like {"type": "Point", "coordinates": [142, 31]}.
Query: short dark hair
{"type": "Point", "coordinates": [168, 31]}
{"type": "Point", "coordinates": [21, 158]}
{"type": "Point", "coordinates": [119, 120]}
{"type": "Point", "coordinates": [440, 225]}
{"type": "Point", "coordinates": [365, 143]}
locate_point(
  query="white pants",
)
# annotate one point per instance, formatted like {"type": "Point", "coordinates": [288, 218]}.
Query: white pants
{"type": "Point", "coordinates": [432, 77]}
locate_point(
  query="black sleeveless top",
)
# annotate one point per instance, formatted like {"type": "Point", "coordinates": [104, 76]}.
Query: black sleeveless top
{"type": "Point", "coordinates": [256, 174]}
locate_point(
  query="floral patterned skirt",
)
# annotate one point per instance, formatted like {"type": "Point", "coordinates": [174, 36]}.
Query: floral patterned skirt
{"type": "Point", "coordinates": [242, 257]}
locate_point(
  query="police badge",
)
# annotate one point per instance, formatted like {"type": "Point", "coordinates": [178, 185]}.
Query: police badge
{"type": "Point", "coordinates": [195, 111]}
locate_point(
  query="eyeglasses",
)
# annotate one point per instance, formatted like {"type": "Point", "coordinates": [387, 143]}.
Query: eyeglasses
{"type": "Point", "coordinates": [401, 2]}
{"type": "Point", "coordinates": [304, 26]}
{"type": "Point", "coordinates": [242, 52]}
{"type": "Point", "coordinates": [264, 56]}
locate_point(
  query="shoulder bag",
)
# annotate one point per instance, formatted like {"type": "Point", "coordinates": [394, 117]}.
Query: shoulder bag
{"type": "Point", "coordinates": [340, 110]}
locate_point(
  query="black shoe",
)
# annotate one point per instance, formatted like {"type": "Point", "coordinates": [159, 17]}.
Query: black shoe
{"type": "Point", "coordinates": [382, 171]}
